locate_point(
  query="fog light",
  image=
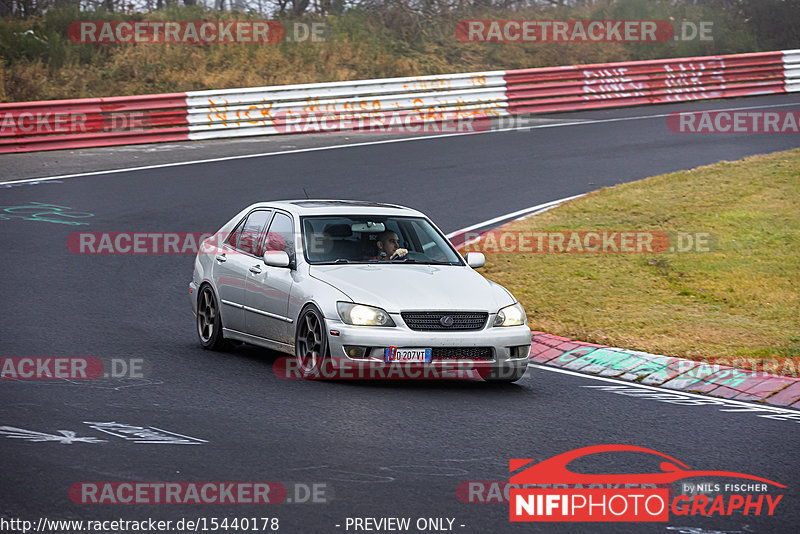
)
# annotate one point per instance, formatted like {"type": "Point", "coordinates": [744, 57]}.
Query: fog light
{"type": "Point", "coordinates": [355, 351]}
{"type": "Point", "coordinates": [519, 352]}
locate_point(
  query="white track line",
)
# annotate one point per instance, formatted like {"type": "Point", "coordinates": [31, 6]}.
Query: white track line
{"type": "Point", "coordinates": [511, 215]}
{"type": "Point", "coordinates": [577, 122]}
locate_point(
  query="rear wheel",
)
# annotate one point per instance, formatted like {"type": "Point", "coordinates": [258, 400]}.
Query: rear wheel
{"type": "Point", "coordinates": [209, 322]}
{"type": "Point", "coordinates": [311, 343]}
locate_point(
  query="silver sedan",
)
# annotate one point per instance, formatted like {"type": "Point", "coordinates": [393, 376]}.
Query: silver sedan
{"type": "Point", "coordinates": [345, 285]}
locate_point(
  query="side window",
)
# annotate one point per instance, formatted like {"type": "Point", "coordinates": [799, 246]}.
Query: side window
{"type": "Point", "coordinates": [248, 238]}
{"type": "Point", "coordinates": [234, 236]}
{"type": "Point", "coordinates": [281, 234]}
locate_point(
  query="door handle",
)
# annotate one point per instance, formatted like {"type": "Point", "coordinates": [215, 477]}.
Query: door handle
{"type": "Point", "coordinates": [221, 258]}
{"type": "Point", "coordinates": [255, 269]}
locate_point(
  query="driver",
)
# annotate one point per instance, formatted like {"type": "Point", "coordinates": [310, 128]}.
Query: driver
{"type": "Point", "coordinates": [389, 246]}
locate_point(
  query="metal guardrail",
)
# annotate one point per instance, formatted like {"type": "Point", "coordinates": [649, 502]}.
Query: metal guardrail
{"type": "Point", "coordinates": [383, 104]}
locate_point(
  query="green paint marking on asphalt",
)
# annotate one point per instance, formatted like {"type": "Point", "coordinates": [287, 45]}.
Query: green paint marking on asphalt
{"type": "Point", "coordinates": [39, 211]}
{"type": "Point", "coordinates": [604, 357]}
{"type": "Point", "coordinates": [702, 373]}
{"type": "Point", "coordinates": [620, 360]}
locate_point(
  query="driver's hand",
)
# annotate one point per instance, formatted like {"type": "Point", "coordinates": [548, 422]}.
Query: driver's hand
{"type": "Point", "coordinates": [400, 252]}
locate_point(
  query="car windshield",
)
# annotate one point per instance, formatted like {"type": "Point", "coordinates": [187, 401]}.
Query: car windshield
{"type": "Point", "coordinates": [373, 239]}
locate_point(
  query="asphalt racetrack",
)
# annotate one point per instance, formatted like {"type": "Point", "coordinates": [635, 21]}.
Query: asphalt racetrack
{"type": "Point", "coordinates": [371, 449]}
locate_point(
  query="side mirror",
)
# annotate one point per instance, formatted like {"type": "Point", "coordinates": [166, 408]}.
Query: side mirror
{"type": "Point", "coordinates": [276, 258]}
{"type": "Point", "coordinates": [475, 259]}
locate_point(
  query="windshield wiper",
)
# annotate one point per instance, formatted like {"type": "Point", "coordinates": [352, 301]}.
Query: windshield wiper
{"type": "Point", "coordinates": [429, 262]}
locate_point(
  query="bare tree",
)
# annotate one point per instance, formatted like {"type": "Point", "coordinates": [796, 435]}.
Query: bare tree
{"type": "Point", "coordinates": [299, 6]}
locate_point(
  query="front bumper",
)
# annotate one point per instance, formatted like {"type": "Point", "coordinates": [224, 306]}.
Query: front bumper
{"type": "Point", "coordinates": [193, 297]}
{"type": "Point", "coordinates": [510, 345]}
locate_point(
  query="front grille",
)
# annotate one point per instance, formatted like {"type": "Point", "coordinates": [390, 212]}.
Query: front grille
{"type": "Point", "coordinates": [461, 353]}
{"type": "Point", "coordinates": [431, 320]}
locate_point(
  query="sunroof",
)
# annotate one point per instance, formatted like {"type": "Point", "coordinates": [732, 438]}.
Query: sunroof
{"type": "Point", "coordinates": [326, 203]}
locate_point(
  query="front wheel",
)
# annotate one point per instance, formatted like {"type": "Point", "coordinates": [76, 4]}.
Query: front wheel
{"type": "Point", "coordinates": [311, 343]}
{"type": "Point", "coordinates": [209, 322]}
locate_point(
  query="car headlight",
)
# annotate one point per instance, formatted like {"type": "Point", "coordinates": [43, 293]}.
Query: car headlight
{"type": "Point", "coordinates": [513, 315]}
{"type": "Point", "coordinates": [361, 315]}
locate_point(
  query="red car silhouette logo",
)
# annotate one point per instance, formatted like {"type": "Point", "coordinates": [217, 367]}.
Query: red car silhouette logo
{"type": "Point", "coordinates": [554, 470]}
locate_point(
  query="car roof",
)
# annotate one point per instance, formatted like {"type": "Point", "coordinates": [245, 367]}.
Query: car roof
{"type": "Point", "coordinates": [304, 207]}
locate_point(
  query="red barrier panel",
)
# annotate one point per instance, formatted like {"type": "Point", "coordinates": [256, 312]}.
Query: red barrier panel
{"type": "Point", "coordinates": [647, 97]}
{"type": "Point", "coordinates": [98, 105]}
{"type": "Point", "coordinates": [650, 81]}
{"type": "Point", "coordinates": [672, 65]}
{"type": "Point", "coordinates": [61, 142]}
{"type": "Point", "coordinates": [643, 82]}
{"type": "Point", "coordinates": [60, 123]}
{"type": "Point", "coordinates": [29, 124]}
{"type": "Point", "coordinates": [534, 95]}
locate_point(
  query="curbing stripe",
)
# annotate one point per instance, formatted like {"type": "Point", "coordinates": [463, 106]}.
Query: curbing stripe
{"type": "Point", "coordinates": [669, 372]}
{"type": "Point", "coordinates": [788, 396]}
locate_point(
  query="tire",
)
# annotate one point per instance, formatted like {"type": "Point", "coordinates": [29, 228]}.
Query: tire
{"type": "Point", "coordinates": [209, 321]}
{"type": "Point", "coordinates": [505, 374]}
{"type": "Point", "coordinates": [311, 343]}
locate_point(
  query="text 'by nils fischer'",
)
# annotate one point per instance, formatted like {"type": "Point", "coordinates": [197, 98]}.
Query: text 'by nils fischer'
{"type": "Point", "coordinates": [400, 524]}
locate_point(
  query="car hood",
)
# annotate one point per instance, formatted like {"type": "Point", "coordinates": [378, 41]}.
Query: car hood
{"type": "Point", "coordinates": [399, 287]}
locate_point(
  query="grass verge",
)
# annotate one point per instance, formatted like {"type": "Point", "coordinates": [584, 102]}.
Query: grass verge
{"type": "Point", "coordinates": [738, 300]}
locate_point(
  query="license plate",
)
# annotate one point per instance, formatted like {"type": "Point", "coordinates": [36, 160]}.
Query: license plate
{"type": "Point", "coordinates": [395, 355]}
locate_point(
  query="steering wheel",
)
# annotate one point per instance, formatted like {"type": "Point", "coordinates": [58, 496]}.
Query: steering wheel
{"type": "Point", "coordinates": [411, 255]}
